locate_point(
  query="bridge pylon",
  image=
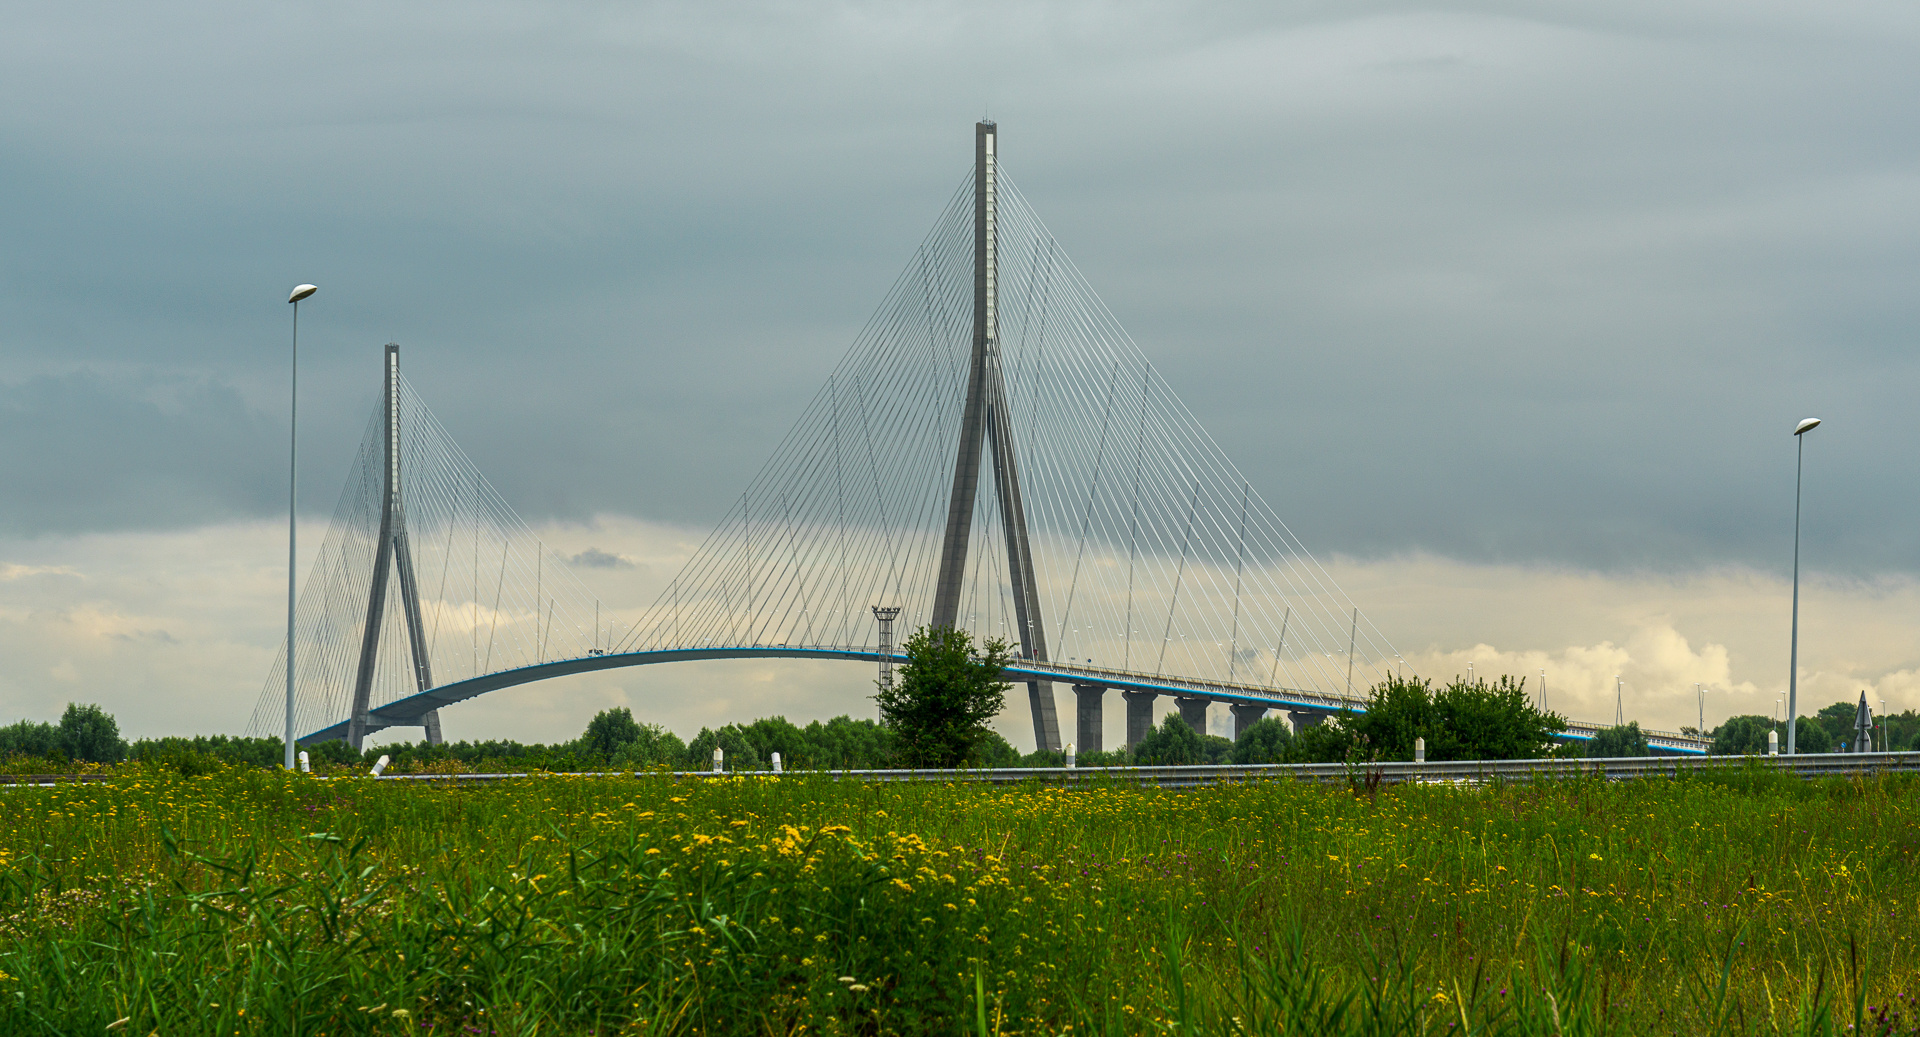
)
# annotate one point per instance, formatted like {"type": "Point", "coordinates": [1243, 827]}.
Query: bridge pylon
{"type": "Point", "coordinates": [391, 552]}
{"type": "Point", "coordinates": [988, 417]}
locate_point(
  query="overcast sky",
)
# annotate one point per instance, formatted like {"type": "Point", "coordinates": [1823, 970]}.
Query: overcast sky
{"type": "Point", "coordinates": [1467, 289]}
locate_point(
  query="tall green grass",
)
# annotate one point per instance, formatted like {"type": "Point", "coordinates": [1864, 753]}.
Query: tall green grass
{"type": "Point", "coordinates": [252, 902]}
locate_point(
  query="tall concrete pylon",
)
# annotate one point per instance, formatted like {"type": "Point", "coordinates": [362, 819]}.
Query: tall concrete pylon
{"type": "Point", "coordinates": [391, 552]}
{"type": "Point", "coordinates": [986, 418]}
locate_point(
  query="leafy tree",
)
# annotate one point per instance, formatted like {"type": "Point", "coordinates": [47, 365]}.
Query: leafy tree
{"type": "Point", "coordinates": [610, 731]}
{"type": "Point", "coordinates": [204, 754]}
{"type": "Point", "coordinates": [1264, 741]}
{"type": "Point", "coordinates": [1744, 735]}
{"type": "Point", "coordinates": [330, 752]}
{"type": "Point", "coordinates": [731, 740]}
{"type": "Point", "coordinates": [89, 733]}
{"type": "Point", "coordinates": [1902, 730]}
{"type": "Point", "coordinates": [996, 751]}
{"type": "Point", "coordinates": [1623, 740]}
{"type": "Point", "coordinates": [655, 746]}
{"type": "Point", "coordinates": [31, 738]}
{"type": "Point", "coordinates": [1215, 749]}
{"type": "Point", "coordinates": [1837, 721]}
{"type": "Point", "coordinates": [1173, 743]}
{"type": "Point", "coordinates": [1327, 742]}
{"type": "Point", "coordinates": [1568, 751]}
{"type": "Point", "coordinates": [944, 697]}
{"type": "Point", "coordinates": [1482, 721]}
{"type": "Point", "coordinates": [769, 735]}
{"type": "Point", "coordinates": [1809, 737]}
{"type": "Point", "coordinates": [844, 743]}
{"type": "Point", "coordinates": [1465, 720]}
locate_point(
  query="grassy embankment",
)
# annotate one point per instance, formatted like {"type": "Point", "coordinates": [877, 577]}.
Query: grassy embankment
{"type": "Point", "coordinates": [250, 902]}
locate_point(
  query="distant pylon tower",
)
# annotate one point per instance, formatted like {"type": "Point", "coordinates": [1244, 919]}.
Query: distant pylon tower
{"type": "Point", "coordinates": [986, 418]}
{"type": "Point", "coordinates": [391, 552]}
{"type": "Point", "coordinates": [886, 615]}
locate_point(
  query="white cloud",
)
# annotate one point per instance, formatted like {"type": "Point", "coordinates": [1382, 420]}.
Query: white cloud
{"type": "Point", "coordinates": [175, 632]}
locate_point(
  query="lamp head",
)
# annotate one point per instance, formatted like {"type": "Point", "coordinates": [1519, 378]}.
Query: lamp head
{"type": "Point", "coordinates": [301, 291]}
{"type": "Point", "coordinates": [1806, 425]}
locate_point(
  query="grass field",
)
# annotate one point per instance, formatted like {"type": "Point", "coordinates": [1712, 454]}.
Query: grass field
{"type": "Point", "coordinates": [252, 902]}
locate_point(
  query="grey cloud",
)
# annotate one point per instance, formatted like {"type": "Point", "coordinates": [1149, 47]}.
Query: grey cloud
{"type": "Point", "coordinates": [85, 452]}
{"type": "Point", "coordinates": [594, 558]}
{"type": "Point", "coordinates": [1543, 285]}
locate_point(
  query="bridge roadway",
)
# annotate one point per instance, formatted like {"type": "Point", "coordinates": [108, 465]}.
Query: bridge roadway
{"type": "Point", "coordinates": [1248, 702]}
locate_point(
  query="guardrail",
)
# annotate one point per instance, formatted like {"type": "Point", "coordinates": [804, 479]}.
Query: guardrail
{"type": "Point", "coordinates": [1806, 765]}
{"type": "Point", "coordinates": [49, 779]}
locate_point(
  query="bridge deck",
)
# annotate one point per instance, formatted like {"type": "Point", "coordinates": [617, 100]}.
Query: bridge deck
{"type": "Point", "coordinates": [408, 711]}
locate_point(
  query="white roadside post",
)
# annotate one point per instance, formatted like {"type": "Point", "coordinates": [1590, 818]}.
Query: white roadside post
{"type": "Point", "coordinates": [306, 765]}
{"type": "Point", "coordinates": [1420, 750]}
{"type": "Point", "coordinates": [719, 760]}
{"type": "Point", "coordinates": [380, 765]}
{"type": "Point", "coordinates": [1773, 743]}
{"type": "Point", "coordinates": [776, 763]}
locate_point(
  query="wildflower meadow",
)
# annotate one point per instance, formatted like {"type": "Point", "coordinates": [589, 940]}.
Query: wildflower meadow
{"type": "Point", "coordinates": [249, 901]}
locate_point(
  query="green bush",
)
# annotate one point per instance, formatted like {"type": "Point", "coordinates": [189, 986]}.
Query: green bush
{"type": "Point", "coordinates": [1325, 742]}
{"type": "Point", "coordinates": [1174, 743]}
{"type": "Point", "coordinates": [1264, 741]}
{"type": "Point", "coordinates": [1613, 742]}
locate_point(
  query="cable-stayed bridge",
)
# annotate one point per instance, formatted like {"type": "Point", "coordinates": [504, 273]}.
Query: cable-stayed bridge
{"type": "Point", "coordinates": [994, 453]}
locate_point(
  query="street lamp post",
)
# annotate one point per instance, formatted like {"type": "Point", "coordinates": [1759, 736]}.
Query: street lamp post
{"type": "Point", "coordinates": [1701, 694]}
{"type": "Point", "coordinates": [299, 292]}
{"type": "Point", "coordinates": [1800, 431]}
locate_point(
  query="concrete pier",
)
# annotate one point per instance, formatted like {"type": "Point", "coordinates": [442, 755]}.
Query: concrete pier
{"type": "Point", "coordinates": [1194, 712]}
{"type": "Point", "coordinates": [1245, 716]}
{"type": "Point", "coordinates": [1091, 721]}
{"type": "Point", "coordinates": [1139, 715]}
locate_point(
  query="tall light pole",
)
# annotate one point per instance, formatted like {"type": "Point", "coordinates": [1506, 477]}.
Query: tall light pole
{"type": "Point", "coordinates": [1793, 652]}
{"type": "Point", "coordinates": [1701, 694]}
{"type": "Point", "coordinates": [300, 291]}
